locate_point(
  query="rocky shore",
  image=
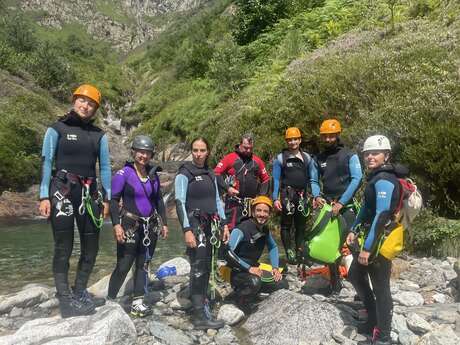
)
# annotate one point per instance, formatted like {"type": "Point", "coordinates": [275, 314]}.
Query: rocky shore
{"type": "Point", "coordinates": [426, 312]}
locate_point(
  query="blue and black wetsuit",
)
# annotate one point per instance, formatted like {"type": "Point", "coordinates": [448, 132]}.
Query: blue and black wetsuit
{"type": "Point", "coordinates": [291, 178]}
{"type": "Point", "coordinates": [381, 198]}
{"type": "Point", "coordinates": [197, 201]}
{"type": "Point", "coordinates": [247, 242]}
{"type": "Point", "coordinates": [142, 202]}
{"type": "Point", "coordinates": [74, 146]}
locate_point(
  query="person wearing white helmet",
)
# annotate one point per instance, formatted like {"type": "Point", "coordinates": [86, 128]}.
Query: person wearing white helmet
{"type": "Point", "coordinates": [376, 217]}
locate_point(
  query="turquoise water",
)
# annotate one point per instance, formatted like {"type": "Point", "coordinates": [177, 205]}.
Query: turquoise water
{"type": "Point", "coordinates": [26, 252]}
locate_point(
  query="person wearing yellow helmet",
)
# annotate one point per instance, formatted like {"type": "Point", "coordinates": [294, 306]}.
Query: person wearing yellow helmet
{"type": "Point", "coordinates": [291, 178]}
{"type": "Point", "coordinates": [74, 145]}
{"type": "Point", "coordinates": [339, 171]}
{"type": "Point", "coordinates": [247, 242]}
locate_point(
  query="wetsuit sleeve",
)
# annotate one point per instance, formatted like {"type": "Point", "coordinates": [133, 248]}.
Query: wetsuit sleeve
{"type": "Point", "coordinates": [220, 209]}
{"type": "Point", "coordinates": [181, 186]}
{"type": "Point", "coordinates": [104, 166]}
{"type": "Point", "coordinates": [273, 251]}
{"type": "Point", "coordinates": [118, 185]}
{"type": "Point", "coordinates": [161, 207]}
{"type": "Point", "coordinates": [277, 166]}
{"type": "Point", "coordinates": [235, 238]}
{"type": "Point", "coordinates": [383, 191]}
{"type": "Point", "coordinates": [48, 151]}
{"type": "Point", "coordinates": [314, 178]}
{"type": "Point", "coordinates": [356, 175]}
{"type": "Point", "coordinates": [359, 218]}
{"type": "Point", "coordinates": [263, 176]}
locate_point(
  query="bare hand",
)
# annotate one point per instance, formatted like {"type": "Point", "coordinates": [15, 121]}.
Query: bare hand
{"type": "Point", "coordinates": [45, 208]}
{"type": "Point", "coordinates": [232, 191]}
{"type": "Point", "coordinates": [363, 258]}
{"type": "Point", "coordinates": [190, 240]}
{"type": "Point", "coordinates": [119, 233]}
{"type": "Point", "coordinates": [336, 207]}
{"type": "Point", "coordinates": [256, 271]}
{"type": "Point", "coordinates": [278, 205]}
{"type": "Point", "coordinates": [277, 275]}
{"type": "Point", "coordinates": [164, 232]}
{"type": "Point", "coordinates": [226, 234]}
{"type": "Point", "coordinates": [351, 238]}
{"type": "Point", "coordinates": [318, 202]}
{"type": "Point", "coordinates": [106, 209]}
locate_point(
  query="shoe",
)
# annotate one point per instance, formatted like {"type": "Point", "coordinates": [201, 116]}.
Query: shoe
{"type": "Point", "coordinates": [139, 308]}
{"type": "Point", "coordinates": [365, 328]}
{"type": "Point", "coordinates": [377, 338]}
{"type": "Point", "coordinates": [86, 298]}
{"type": "Point", "coordinates": [69, 306]}
{"type": "Point", "coordinates": [202, 318]}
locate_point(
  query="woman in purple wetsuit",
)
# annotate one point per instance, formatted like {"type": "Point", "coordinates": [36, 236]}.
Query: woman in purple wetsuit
{"type": "Point", "coordinates": [138, 222]}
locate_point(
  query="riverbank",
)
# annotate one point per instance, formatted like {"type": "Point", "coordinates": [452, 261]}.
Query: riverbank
{"type": "Point", "coordinates": [426, 311]}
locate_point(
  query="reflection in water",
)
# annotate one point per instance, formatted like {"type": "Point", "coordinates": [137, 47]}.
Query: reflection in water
{"type": "Point", "coordinates": [26, 253]}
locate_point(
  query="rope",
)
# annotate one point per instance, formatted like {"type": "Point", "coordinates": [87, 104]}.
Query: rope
{"type": "Point", "coordinates": [98, 221]}
{"type": "Point", "coordinates": [301, 207]}
{"type": "Point", "coordinates": [215, 245]}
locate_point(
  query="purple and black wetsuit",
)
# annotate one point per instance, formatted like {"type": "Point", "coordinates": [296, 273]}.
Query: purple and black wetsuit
{"type": "Point", "coordinates": [140, 201]}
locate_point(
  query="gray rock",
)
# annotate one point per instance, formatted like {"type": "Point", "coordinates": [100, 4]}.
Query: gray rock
{"type": "Point", "coordinates": [444, 335]}
{"type": "Point", "coordinates": [225, 336]}
{"type": "Point", "coordinates": [181, 304]}
{"type": "Point", "coordinates": [110, 325]}
{"type": "Point", "coordinates": [230, 314]}
{"type": "Point", "coordinates": [101, 287]}
{"type": "Point", "coordinates": [449, 274]}
{"type": "Point", "coordinates": [49, 304]}
{"type": "Point", "coordinates": [29, 296]}
{"type": "Point", "coordinates": [407, 285]}
{"type": "Point", "coordinates": [451, 260]}
{"type": "Point", "coordinates": [406, 337]}
{"type": "Point", "coordinates": [394, 337]}
{"type": "Point", "coordinates": [441, 313]}
{"type": "Point", "coordinates": [409, 298]}
{"type": "Point", "coordinates": [398, 323]}
{"type": "Point", "coordinates": [417, 324]}
{"type": "Point", "coordinates": [16, 312]}
{"type": "Point", "coordinates": [211, 332]}
{"type": "Point", "coordinates": [181, 264]}
{"type": "Point", "coordinates": [308, 321]}
{"type": "Point", "coordinates": [439, 298]}
{"type": "Point", "coordinates": [319, 298]}
{"type": "Point", "coordinates": [168, 335]}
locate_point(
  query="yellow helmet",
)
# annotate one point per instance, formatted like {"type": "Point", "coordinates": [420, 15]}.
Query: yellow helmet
{"type": "Point", "coordinates": [292, 132]}
{"type": "Point", "coordinates": [262, 199]}
{"type": "Point", "coordinates": [88, 91]}
{"type": "Point", "coordinates": [330, 127]}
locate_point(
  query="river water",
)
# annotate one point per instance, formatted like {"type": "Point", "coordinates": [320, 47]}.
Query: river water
{"type": "Point", "coordinates": [26, 252]}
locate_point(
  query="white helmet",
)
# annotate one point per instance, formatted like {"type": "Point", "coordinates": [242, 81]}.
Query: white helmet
{"type": "Point", "coordinates": [378, 143]}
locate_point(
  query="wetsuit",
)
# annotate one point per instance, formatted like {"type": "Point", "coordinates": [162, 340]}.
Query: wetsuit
{"type": "Point", "coordinates": [291, 177]}
{"type": "Point", "coordinates": [197, 202]}
{"type": "Point", "coordinates": [247, 242]}
{"type": "Point", "coordinates": [340, 172]}
{"type": "Point", "coordinates": [74, 146]}
{"type": "Point", "coordinates": [381, 198]}
{"type": "Point", "coordinates": [246, 174]}
{"type": "Point", "coordinates": [142, 204]}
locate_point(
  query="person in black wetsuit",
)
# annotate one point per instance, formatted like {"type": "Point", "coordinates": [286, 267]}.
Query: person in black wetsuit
{"type": "Point", "coordinates": [74, 144]}
{"type": "Point", "coordinates": [340, 173]}
{"type": "Point", "coordinates": [137, 225]}
{"type": "Point", "coordinates": [245, 247]}
{"type": "Point", "coordinates": [199, 206]}
{"type": "Point", "coordinates": [291, 178]}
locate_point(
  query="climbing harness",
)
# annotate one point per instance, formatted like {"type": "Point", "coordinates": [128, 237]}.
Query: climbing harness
{"type": "Point", "coordinates": [245, 203]}
{"type": "Point", "coordinates": [301, 206]}
{"type": "Point", "coordinates": [86, 202]}
{"type": "Point", "coordinates": [215, 245]}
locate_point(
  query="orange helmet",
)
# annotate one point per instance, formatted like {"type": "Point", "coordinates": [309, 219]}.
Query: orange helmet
{"type": "Point", "coordinates": [292, 132]}
{"type": "Point", "coordinates": [88, 91]}
{"type": "Point", "coordinates": [330, 127]}
{"type": "Point", "coordinates": [262, 199]}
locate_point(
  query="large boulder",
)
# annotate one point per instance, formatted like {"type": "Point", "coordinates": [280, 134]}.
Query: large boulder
{"type": "Point", "coordinates": [110, 325]}
{"type": "Point", "coordinates": [181, 264]}
{"type": "Point", "coordinates": [29, 296]}
{"type": "Point", "coordinates": [101, 287]}
{"type": "Point", "coordinates": [444, 335]}
{"type": "Point", "coordinates": [289, 318]}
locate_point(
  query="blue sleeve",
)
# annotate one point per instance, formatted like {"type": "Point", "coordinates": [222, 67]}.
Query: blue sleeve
{"type": "Point", "coordinates": [220, 209]}
{"type": "Point", "coordinates": [48, 151]}
{"type": "Point", "coordinates": [235, 238]}
{"type": "Point", "coordinates": [383, 191]}
{"type": "Point", "coordinates": [273, 251]}
{"type": "Point", "coordinates": [180, 188]}
{"type": "Point", "coordinates": [356, 176]}
{"type": "Point", "coordinates": [277, 165]}
{"type": "Point", "coordinates": [104, 166]}
{"type": "Point", "coordinates": [314, 178]}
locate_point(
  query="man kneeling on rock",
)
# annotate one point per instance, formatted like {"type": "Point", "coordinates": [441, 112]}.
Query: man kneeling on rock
{"type": "Point", "coordinates": [247, 242]}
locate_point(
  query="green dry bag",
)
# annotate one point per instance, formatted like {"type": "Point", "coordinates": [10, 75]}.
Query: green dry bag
{"type": "Point", "coordinates": [324, 241]}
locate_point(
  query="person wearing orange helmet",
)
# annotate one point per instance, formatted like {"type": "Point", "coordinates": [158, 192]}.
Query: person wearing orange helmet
{"type": "Point", "coordinates": [74, 145]}
{"type": "Point", "coordinates": [247, 242]}
{"type": "Point", "coordinates": [291, 178]}
{"type": "Point", "coordinates": [340, 173]}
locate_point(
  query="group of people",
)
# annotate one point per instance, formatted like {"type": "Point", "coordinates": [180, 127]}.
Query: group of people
{"type": "Point", "coordinates": [234, 228]}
